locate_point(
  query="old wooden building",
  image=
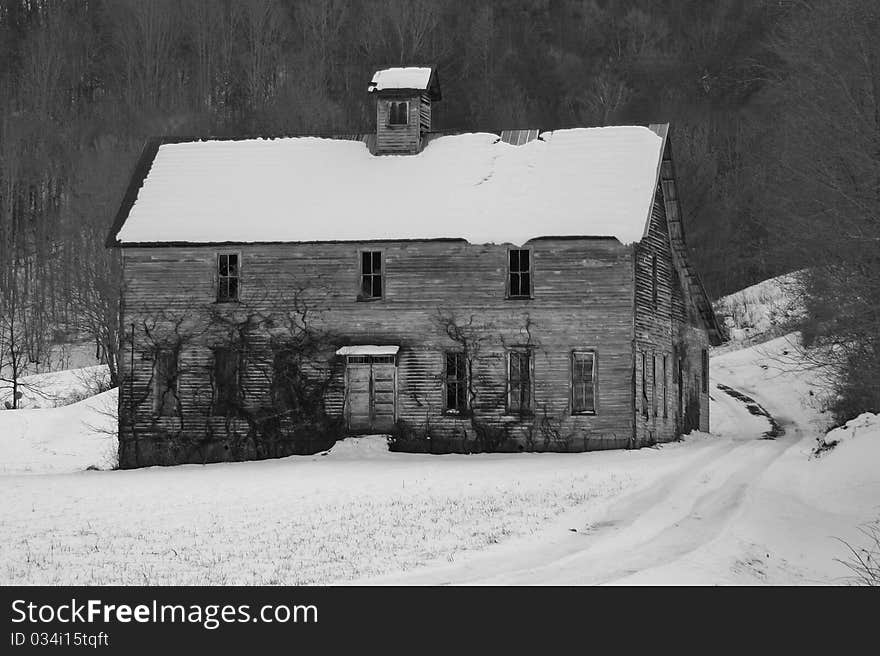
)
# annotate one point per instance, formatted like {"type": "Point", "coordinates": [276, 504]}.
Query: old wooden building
{"type": "Point", "coordinates": [517, 290]}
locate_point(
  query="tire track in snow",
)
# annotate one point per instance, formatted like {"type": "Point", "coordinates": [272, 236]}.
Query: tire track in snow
{"type": "Point", "coordinates": [650, 527]}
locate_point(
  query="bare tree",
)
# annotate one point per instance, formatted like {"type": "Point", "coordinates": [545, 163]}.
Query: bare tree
{"type": "Point", "coordinates": [829, 160]}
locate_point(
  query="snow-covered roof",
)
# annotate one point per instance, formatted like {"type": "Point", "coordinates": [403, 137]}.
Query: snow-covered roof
{"type": "Point", "coordinates": [410, 77]}
{"type": "Point", "coordinates": [368, 349]}
{"type": "Point", "coordinates": [576, 182]}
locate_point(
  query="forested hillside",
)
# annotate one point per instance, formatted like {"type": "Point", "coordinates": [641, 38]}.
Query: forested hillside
{"type": "Point", "coordinates": [774, 107]}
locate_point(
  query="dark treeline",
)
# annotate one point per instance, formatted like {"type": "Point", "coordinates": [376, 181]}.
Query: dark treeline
{"type": "Point", "coordinates": [83, 83]}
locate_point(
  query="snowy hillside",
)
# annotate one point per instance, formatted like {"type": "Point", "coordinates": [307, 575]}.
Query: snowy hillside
{"type": "Point", "coordinates": [767, 309]}
{"type": "Point", "coordinates": [57, 388]}
{"type": "Point", "coordinates": [65, 439]}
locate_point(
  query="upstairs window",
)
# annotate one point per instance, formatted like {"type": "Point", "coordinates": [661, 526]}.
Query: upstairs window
{"type": "Point", "coordinates": [226, 381]}
{"type": "Point", "coordinates": [398, 112]}
{"type": "Point", "coordinates": [456, 382]}
{"type": "Point", "coordinates": [227, 277]}
{"type": "Point", "coordinates": [583, 383]}
{"type": "Point", "coordinates": [519, 277]}
{"type": "Point", "coordinates": [371, 274]}
{"type": "Point", "coordinates": [165, 399]}
{"type": "Point", "coordinates": [519, 382]}
{"type": "Point", "coordinates": [644, 385]}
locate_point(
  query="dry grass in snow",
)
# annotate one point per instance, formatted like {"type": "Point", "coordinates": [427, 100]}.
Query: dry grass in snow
{"type": "Point", "coordinates": [317, 519]}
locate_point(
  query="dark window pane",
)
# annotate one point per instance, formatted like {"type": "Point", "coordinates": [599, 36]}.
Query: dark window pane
{"type": "Point", "coordinates": [514, 284]}
{"type": "Point", "coordinates": [377, 286]}
{"type": "Point", "coordinates": [233, 265]}
{"type": "Point", "coordinates": [367, 286]}
{"type": "Point", "coordinates": [525, 284]}
{"type": "Point", "coordinates": [524, 260]}
{"type": "Point", "coordinates": [397, 114]}
{"type": "Point", "coordinates": [519, 381]}
{"type": "Point", "coordinates": [166, 383]}
{"type": "Point", "coordinates": [233, 288]}
{"type": "Point", "coordinates": [377, 262]}
{"type": "Point", "coordinates": [582, 383]}
{"type": "Point", "coordinates": [366, 261]}
{"type": "Point", "coordinates": [223, 265]}
{"type": "Point", "coordinates": [225, 380]}
{"type": "Point", "coordinates": [514, 260]}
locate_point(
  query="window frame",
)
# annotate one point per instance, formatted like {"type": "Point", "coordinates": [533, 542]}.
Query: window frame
{"type": "Point", "coordinates": [220, 408]}
{"type": "Point", "coordinates": [373, 275]}
{"type": "Point", "coordinates": [218, 277]}
{"type": "Point", "coordinates": [519, 411]}
{"type": "Point", "coordinates": [593, 381]}
{"type": "Point", "coordinates": [389, 122]}
{"type": "Point", "coordinates": [461, 380]}
{"type": "Point", "coordinates": [510, 273]}
{"type": "Point", "coordinates": [159, 404]}
{"type": "Point", "coordinates": [704, 369]}
{"type": "Point", "coordinates": [665, 388]}
{"type": "Point", "coordinates": [654, 384]}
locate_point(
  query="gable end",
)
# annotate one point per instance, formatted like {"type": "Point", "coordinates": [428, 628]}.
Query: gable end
{"type": "Point", "coordinates": [690, 278]}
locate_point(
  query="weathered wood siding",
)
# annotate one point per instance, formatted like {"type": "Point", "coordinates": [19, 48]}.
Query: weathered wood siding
{"type": "Point", "coordinates": [425, 113]}
{"type": "Point", "coordinates": [668, 325]}
{"type": "Point", "coordinates": [398, 139]}
{"type": "Point", "coordinates": [583, 300]}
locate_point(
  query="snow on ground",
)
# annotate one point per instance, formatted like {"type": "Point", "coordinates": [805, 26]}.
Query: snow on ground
{"type": "Point", "coordinates": [241, 191]}
{"type": "Point", "coordinates": [358, 511]}
{"type": "Point", "coordinates": [740, 510]}
{"type": "Point", "coordinates": [56, 388]}
{"type": "Point", "coordinates": [70, 438]}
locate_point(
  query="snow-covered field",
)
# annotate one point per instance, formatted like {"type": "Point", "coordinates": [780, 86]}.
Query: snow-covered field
{"type": "Point", "coordinates": [728, 508]}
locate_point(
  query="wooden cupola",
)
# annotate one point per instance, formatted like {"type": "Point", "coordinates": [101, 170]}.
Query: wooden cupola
{"type": "Point", "coordinates": [403, 108]}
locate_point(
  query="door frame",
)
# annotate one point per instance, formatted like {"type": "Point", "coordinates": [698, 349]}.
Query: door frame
{"type": "Point", "coordinates": [371, 401]}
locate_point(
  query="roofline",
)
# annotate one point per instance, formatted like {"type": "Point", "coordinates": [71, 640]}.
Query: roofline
{"type": "Point", "coordinates": [390, 240]}
{"type": "Point", "coordinates": [141, 169]}
{"type": "Point", "coordinates": [432, 88]}
{"type": "Point", "coordinates": [152, 144]}
{"type": "Point", "coordinates": [710, 320]}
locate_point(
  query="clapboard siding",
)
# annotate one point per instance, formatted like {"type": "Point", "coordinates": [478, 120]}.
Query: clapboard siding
{"type": "Point", "coordinates": [583, 291]}
{"type": "Point", "coordinates": [425, 113]}
{"type": "Point", "coordinates": [398, 139]}
{"type": "Point", "coordinates": [664, 327]}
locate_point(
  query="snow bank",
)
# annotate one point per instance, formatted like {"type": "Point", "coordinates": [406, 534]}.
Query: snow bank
{"type": "Point", "coordinates": [53, 440]}
{"type": "Point", "coordinates": [867, 424]}
{"type": "Point", "coordinates": [589, 181]}
{"type": "Point", "coordinates": [847, 477]}
{"type": "Point", "coordinates": [355, 448]}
